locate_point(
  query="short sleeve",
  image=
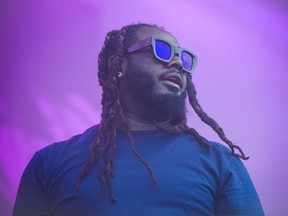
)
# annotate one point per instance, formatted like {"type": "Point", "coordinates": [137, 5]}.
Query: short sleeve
{"type": "Point", "coordinates": [237, 195]}
{"type": "Point", "coordinates": [30, 200]}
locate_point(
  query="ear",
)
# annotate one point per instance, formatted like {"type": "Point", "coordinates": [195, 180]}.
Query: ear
{"type": "Point", "coordinates": [123, 63]}
{"type": "Point", "coordinates": [110, 61]}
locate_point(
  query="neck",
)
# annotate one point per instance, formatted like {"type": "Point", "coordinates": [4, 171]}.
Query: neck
{"type": "Point", "coordinates": [136, 122]}
{"type": "Point", "coordinates": [139, 114]}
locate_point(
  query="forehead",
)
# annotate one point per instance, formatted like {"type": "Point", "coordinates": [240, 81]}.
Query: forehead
{"type": "Point", "coordinates": [145, 32]}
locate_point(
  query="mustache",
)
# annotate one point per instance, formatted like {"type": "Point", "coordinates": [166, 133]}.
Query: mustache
{"type": "Point", "coordinates": [173, 71]}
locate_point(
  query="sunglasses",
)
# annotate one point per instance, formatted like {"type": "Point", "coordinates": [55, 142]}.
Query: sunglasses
{"type": "Point", "coordinates": [164, 51]}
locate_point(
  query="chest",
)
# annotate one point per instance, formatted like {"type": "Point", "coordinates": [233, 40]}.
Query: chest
{"type": "Point", "coordinates": [184, 187]}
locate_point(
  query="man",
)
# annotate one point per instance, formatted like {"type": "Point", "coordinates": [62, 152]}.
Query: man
{"type": "Point", "coordinates": [148, 161]}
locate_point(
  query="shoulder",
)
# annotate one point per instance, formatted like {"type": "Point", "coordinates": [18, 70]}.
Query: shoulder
{"type": "Point", "coordinates": [60, 158]}
{"type": "Point", "coordinates": [223, 157]}
{"type": "Point", "coordinates": [218, 157]}
{"type": "Point", "coordinates": [58, 153]}
{"type": "Point", "coordinates": [217, 151]}
{"type": "Point", "coordinates": [226, 157]}
{"type": "Point", "coordinates": [221, 151]}
{"type": "Point", "coordinates": [71, 143]}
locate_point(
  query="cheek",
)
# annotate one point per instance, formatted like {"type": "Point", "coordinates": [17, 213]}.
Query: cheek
{"type": "Point", "coordinates": [184, 83]}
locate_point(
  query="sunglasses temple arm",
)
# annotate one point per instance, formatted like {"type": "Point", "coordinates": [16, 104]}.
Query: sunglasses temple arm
{"type": "Point", "coordinates": [139, 45]}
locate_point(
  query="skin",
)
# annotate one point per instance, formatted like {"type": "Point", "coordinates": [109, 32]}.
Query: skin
{"type": "Point", "coordinates": [140, 114]}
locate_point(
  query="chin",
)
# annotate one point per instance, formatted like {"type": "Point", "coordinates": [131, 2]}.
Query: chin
{"type": "Point", "coordinates": [168, 90]}
{"type": "Point", "coordinates": [169, 104]}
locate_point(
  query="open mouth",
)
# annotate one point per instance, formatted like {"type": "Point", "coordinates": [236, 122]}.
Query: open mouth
{"type": "Point", "coordinates": [173, 79]}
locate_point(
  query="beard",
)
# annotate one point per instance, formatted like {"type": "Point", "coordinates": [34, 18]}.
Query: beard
{"type": "Point", "coordinates": [143, 87]}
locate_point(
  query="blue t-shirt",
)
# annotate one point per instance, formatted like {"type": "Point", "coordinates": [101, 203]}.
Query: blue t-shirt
{"type": "Point", "coordinates": [192, 179]}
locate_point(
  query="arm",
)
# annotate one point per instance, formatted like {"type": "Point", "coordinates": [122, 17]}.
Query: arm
{"type": "Point", "coordinates": [31, 200]}
{"type": "Point", "coordinates": [237, 195]}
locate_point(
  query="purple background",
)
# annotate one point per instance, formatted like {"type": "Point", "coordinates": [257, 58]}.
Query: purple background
{"type": "Point", "coordinates": [49, 89]}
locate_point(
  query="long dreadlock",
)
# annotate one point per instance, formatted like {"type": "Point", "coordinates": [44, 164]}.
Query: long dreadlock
{"type": "Point", "coordinates": [103, 147]}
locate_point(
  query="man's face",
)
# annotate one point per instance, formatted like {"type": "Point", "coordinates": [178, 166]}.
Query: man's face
{"type": "Point", "coordinates": [152, 82]}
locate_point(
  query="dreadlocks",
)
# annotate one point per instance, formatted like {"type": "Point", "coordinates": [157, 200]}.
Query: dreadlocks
{"type": "Point", "coordinates": [103, 147]}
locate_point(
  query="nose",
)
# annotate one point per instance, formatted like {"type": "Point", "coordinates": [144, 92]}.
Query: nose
{"type": "Point", "coordinates": [176, 62]}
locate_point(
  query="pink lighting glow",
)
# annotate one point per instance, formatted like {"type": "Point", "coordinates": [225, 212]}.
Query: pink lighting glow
{"type": "Point", "coordinates": [49, 87]}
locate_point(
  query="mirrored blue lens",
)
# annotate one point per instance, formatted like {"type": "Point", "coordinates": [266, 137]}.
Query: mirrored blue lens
{"type": "Point", "coordinates": [163, 50]}
{"type": "Point", "coordinates": [187, 60]}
